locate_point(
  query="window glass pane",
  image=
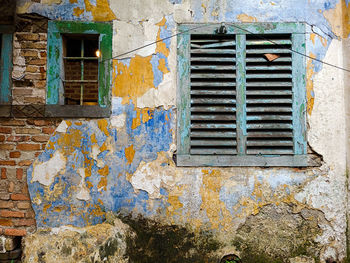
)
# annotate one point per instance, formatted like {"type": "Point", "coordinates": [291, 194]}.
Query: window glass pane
{"type": "Point", "coordinates": [90, 47]}
{"type": "Point", "coordinates": [73, 47]}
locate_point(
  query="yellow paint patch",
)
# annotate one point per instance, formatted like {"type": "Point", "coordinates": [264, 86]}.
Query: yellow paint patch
{"type": "Point", "coordinates": [272, 3]}
{"type": "Point", "coordinates": [339, 19]}
{"type": "Point", "coordinates": [310, 84]}
{"type": "Point", "coordinates": [130, 153]}
{"type": "Point", "coordinates": [216, 210]}
{"type": "Point", "coordinates": [100, 12]}
{"type": "Point", "coordinates": [246, 18]}
{"type": "Point", "coordinates": [73, 1]}
{"type": "Point", "coordinates": [102, 125]}
{"type": "Point", "coordinates": [77, 11]}
{"type": "Point", "coordinates": [104, 171]}
{"type": "Point", "coordinates": [103, 183]}
{"type": "Point", "coordinates": [174, 201]}
{"type": "Point", "coordinates": [144, 115]}
{"type": "Point", "coordinates": [46, 207]}
{"type": "Point", "coordinates": [162, 66]}
{"type": "Point", "coordinates": [89, 184]}
{"type": "Point", "coordinates": [312, 38]}
{"type": "Point", "coordinates": [93, 138]}
{"type": "Point", "coordinates": [133, 81]}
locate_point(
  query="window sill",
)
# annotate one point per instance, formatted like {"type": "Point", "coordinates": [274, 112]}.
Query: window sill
{"type": "Point", "coordinates": [309, 160]}
{"type": "Point", "coordinates": [54, 111]}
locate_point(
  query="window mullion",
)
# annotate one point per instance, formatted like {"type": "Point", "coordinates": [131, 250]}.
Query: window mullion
{"type": "Point", "coordinates": [241, 114]}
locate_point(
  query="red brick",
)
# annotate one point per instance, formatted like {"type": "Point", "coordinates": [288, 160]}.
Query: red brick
{"type": "Point", "coordinates": [43, 54]}
{"type": "Point", "coordinates": [23, 205]}
{"type": "Point", "coordinates": [15, 154]}
{"type": "Point", "coordinates": [6, 204]}
{"type": "Point", "coordinates": [29, 53]}
{"type": "Point", "coordinates": [40, 84]}
{"type": "Point", "coordinates": [7, 146]}
{"type": "Point", "coordinates": [32, 69]}
{"type": "Point", "coordinates": [11, 187]}
{"type": "Point", "coordinates": [13, 123]}
{"type": "Point", "coordinates": [28, 147]}
{"type": "Point", "coordinates": [15, 232]}
{"type": "Point", "coordinates": [4, 196]}
{"type": "Point", "coordinates": [19, 173]}
{"type": "Point", "coordinates": [1, 231]}
{"type": "Point", "coordinates": [34, 100]}
{"type": "Point", "coordinates": [37, 154]}
{"type": "Point", "coordinates": [40, 138]}
{"type": "Point", "coordinates": [2, 138]}
{"type": "Point", "coordinates": [27, 130]}
{"type": "Point", "coordinates": [42, 70]}
{"type": "Point", "coordinates": [30, 214]}
{"type": "Point", "coordinates": [22, 91]}
{"type": "Point", "coordinates": [27, 36]}
{"type": "Point", "coordinates": [19, 197]}
{"type": "Point", "coordinates": [25, 163]}
{"type": "Point", "coordinates": [24, 222]}
{"type": "Point", "coordinates": [6, 222]}
{"type": "Point", "coordinates": [38, 62]}
{"type": "Point", "coordinates": [34, 76]}
{"type": "Point", "coordinates": [5, 130]}
{"type": "Point", "coordinates": [42, 122]}
{"type": "Point", "coordinates": [18, 138]}
{"type": "Point", "coordinates": [9, 213]}
{"type": "Point", "coordinates": [48, 130]}
{"type": "Point", "coordinates": [3, 173]}
{"type": "Point", "coordinates": [4, 162]}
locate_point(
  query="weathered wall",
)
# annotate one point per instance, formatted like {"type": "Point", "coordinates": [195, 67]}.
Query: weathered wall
{"type": "Point", "coordinates": [124, 163]}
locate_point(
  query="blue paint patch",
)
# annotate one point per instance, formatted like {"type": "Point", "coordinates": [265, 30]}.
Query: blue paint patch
{"type": "Point", "coordinates": [175, 1]}
{"type": "Point", "coordinates": [65, 208]}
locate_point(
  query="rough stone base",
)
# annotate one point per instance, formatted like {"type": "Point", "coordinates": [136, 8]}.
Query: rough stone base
{"type": "Point", "coordinates": [100, 243]}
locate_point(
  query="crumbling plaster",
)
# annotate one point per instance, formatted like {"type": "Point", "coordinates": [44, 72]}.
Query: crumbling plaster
{"type": "Point", "coordinates": [124, 163]}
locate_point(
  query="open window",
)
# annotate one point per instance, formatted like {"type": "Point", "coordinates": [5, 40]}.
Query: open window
{"type": "Point", "coordinates": [78, 75]}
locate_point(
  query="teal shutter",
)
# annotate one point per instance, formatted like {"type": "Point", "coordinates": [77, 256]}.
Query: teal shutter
{"type": "Point", "coordinates": [241, 99]}
{"type": "Point", "coordinates": [5, 66]}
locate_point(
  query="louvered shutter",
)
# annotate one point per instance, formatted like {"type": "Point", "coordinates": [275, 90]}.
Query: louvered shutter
{"type": "Point", "coordinates": [241, 99]}
{"type": "Point", "coordinates": [269, 94]}
{"type": "Point", "coordinates": [213, 94]}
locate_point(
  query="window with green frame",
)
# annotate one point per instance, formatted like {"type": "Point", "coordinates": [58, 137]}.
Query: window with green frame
{"type": "Point", "coordinates": [6, 35]}
{"type": "Point", "coordinates": [241, 95]}
{"type": "Point", "coordinates": [78, 69]}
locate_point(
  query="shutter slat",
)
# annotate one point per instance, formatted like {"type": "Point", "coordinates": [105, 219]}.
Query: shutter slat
{"type": "Point", "coordinates": [270, 143]}
{"type": "Point", "coordinates": [269, 101]}
{"type": "Point", "coordinates": [213, 51]}
{"type": "Point", "coordinates": [269, 76]}
{"type": "Point", "coordinates": [269, 134]}
{"type": "Point", "coordinates": [213, 134]}
{"type": "Point", "coordinates": [269, 43]}
{"type": "Point", "coordinates": [213, 67]}
{"type": "Point", "coordinates": [213, 109]}
{"type": "Point", "coordinates": [269, 84]}
{"type": "Point", "coordinates": [212, 84]}
{"type": "Point", "coordinates": [208, 143]}
{"type": "Point", "coordinates": [263, 59]}
{"type": "Point", "coordinates": [220, 44]}
{"type": "Point", "coordinates": [269, 92]}
{"type": "Point", "coordinates": [213, 59]}
{"type": "Point", "coordinates": [279, 67]}
{"type": "Point", "coordinates": [207, 92]}
{"type": "Point", "coordinates": [269, 109]}
{"type": "Point", "coordinates": [205, 151]}
{"type": "Point", "coordinates": [213, 101]}
{"type": "Point", "coordinates": [212, 76]}
{"type": "Point", "coordinates": [269, 118]}
{"type": "Point", "coordinates": [268, 51]}
{"type": "Point", "coordinates": [213, 117]}
{"type": "Point", "coordinates": [213, 126]}
{"type": "Point", "coordinates": [270, 126]}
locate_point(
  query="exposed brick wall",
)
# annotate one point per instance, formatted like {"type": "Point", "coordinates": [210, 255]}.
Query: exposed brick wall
{"type": "Point", "coordinates": [29, 61]}
{"type": "Point", "coordinates": [22, 140]}
{"type": "Point", "coordinates": [72, 90]}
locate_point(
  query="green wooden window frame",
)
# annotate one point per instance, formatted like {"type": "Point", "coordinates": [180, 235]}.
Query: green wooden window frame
{"type": "Point", "coordinates": [299, 157]}
{"type": "Point", "coordinates": [6, 35]}
{"type": "Point", "coordinates": [55, 72]}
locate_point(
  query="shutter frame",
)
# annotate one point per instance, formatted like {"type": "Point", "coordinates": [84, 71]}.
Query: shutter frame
{"type": "Point", "coordinates": [300, 157]}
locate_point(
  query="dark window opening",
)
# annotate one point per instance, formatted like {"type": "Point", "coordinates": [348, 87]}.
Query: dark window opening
{"type": "Point", "coordinates": [81, 59]}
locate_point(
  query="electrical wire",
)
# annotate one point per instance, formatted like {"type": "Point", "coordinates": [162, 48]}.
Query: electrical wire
{"type": "Point", "coordinates": [292, 50]}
